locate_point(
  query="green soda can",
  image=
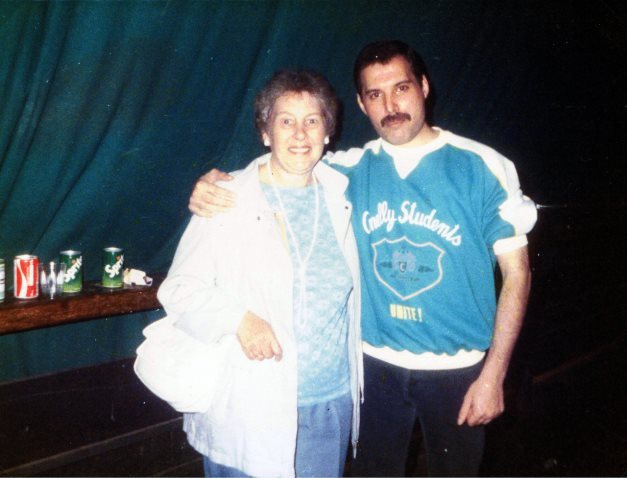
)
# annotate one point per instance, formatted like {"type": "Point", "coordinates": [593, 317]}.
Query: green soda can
{"type": "Point", "coordinates": [112, 262]}
{"type": "Point", "coordinates": [73, 260]}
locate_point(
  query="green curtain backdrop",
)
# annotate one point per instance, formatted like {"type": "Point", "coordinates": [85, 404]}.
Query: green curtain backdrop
{"type": "Point", "coordinates": [109, 111]}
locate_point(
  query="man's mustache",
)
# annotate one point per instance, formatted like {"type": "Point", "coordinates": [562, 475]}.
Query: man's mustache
{"type": "Point", "coordinates": [395, 117]}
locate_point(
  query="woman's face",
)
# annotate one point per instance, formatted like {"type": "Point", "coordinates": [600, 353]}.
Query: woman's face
{"type": "Point", "coordinates": [296, 134]}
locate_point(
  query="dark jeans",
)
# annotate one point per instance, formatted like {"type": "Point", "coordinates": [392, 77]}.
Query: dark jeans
{"type": "Point", "coordinates": [394, 398]}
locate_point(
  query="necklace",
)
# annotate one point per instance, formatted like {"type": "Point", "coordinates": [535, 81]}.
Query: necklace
{"type": "Point", "coordinates": [302, 261]}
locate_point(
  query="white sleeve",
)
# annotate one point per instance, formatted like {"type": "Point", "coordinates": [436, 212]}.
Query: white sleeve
{"type": "Point", "coordinates": [503, 246]}
{"type": "Point", "coordinates": [189, 293]}
{"type": "Point", "coordinates": [518, 210]}
{"type": "Point", "coordinates": [522, 213]}
{"type": "Point", "coordinates": [346, 159]}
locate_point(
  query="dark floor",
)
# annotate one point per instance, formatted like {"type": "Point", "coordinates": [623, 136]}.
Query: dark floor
{"type": "Point", "coordinates": [566, 421]}
{"type": "Point", "coordinates": [570, 423]}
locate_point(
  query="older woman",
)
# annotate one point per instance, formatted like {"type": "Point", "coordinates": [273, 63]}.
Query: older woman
{"type": "Point", "coordinates": [280, 272]}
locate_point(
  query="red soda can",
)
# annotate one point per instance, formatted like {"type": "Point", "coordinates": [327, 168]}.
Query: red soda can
{"type": "Point", "coordinates": [25, 277]}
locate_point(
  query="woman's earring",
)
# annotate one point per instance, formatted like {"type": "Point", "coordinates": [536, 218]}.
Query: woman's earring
{"type": "Point", "coordinates": [266, 142]}
{"type": "Point", "coordinates": [326, 140]}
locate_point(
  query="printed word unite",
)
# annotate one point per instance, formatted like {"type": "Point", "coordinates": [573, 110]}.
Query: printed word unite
{"type": "Point", "coordinates": [409, 215]}
{"type": "Point", "coordinates": [404, 312]}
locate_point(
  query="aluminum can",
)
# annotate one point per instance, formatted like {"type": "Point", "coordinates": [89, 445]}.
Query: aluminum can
{"type": "Point", "coordinates": [73, 260]}
{"type": "Point", "coordinates": [112, 267]}
{"type": "Point", "coordinates": [2, 281]}
{"type": "Point", "coordinates": [26, 276]}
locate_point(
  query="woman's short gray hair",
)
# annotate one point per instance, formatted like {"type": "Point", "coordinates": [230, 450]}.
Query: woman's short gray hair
{"type": "Point", "coordinates": [296, 81]}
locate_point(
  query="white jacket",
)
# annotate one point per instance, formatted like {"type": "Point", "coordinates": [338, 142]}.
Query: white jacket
{"type": "Point", "coordinates": [236, 262]}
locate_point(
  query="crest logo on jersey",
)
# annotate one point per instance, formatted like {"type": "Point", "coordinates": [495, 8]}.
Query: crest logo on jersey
{"type": "Point", "coordinates": [406, 268]}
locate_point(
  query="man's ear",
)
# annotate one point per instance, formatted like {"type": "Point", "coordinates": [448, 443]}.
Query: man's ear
{"type": "Point", "coordinates": [425, 86]}
{"type": "Point", "coordinates": [361, 104]}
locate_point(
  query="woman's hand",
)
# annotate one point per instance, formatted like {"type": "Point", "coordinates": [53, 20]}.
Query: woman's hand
{"type": "Point", "coordinates": [257, 338]}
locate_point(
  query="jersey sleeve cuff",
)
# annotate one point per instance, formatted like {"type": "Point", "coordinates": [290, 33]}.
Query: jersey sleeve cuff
{"type": "Point", "coordinates": [509, 244]}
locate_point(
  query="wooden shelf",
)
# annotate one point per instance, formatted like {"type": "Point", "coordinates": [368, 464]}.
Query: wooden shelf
{"type": "Point", "coordinates": [94, 301]}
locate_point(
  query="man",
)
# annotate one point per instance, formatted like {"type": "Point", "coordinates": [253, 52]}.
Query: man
{"type": "Point", "coordinates": [433, 214]}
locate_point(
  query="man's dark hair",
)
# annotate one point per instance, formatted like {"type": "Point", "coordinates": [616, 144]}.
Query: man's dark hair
{"type": "Point", "coordinates": [382, 52]}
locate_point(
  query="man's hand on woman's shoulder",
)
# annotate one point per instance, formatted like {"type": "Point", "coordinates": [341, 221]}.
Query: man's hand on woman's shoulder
{"type": "Point", "coordinates": [207, 198]}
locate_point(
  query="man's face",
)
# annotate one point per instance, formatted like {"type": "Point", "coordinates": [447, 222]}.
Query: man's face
{"type": "Point", "coordinates": [394, 101]}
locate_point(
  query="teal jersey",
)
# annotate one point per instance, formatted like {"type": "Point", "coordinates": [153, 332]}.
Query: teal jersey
{"type": "Point", "coordinates": [426, 244]}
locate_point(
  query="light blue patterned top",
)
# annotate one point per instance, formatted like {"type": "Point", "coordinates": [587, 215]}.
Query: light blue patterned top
{"type": "Point", "coordinates": [322, 334]}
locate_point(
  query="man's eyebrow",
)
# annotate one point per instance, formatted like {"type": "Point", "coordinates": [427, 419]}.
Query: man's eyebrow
{"type": "Point", "coordinates": [402, 82]}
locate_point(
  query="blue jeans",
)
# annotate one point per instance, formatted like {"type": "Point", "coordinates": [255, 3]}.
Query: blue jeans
{"type": "Point", "coordinates": [321, 441]}
{"type": "Point", "coordinates": [216, 470]}
{"type": "Point", "coordinates": [395, 398]}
